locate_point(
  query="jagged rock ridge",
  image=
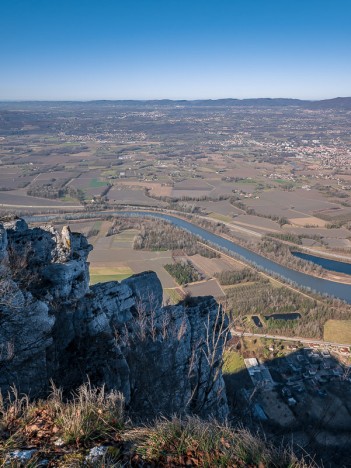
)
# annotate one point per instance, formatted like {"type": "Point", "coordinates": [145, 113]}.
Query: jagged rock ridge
{"type": "Point", "coordinates": [165, 360]}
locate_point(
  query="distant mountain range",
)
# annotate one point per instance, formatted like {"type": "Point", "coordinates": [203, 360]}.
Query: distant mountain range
{"type": "Point", "coordinates": [336, 103]}
{"type": "Point", "coordinates": [342, 103]}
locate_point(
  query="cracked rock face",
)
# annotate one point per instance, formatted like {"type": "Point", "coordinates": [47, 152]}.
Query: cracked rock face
{"type": "Point", "coordinates": [165, 360]}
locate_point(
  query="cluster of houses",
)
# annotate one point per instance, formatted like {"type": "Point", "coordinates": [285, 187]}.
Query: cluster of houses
{"type": "Point", "coordinates": [307, 370]}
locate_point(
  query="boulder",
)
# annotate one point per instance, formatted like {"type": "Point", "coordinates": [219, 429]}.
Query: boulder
{"type": "Point", "coordinates": [165, 360]}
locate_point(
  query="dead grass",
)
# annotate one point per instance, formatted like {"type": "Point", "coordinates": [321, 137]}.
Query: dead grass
{"type": "Point", "coordinates": [309, 220]}
{"type": "Point", "coordinates": [220, 217]}
{"type": "Point", "coordinates": [194, 442]}
{"type": "Point", "coordinates": [338, 331]}
{"type": "Point", "coordinates": [91, 414]}
{"type": "Point", "coordinates": [93, 417]}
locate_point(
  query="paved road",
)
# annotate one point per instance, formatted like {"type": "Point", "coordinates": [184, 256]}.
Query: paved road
{"type": "Point", "coordinates": [47, 207]}
{"type": "Point", "coordinates": [289, 338]}
{"type": "Point", "coordinates": [312, 250]}
{"type": "Point", "coordinates": [275, 337]}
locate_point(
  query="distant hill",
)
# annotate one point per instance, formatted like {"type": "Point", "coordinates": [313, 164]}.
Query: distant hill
{"type": "Point", "coordinates": [262, 102]}
{"type": "Point", "coordinates": [265, 102]}
{"type": "Point", "coordinates": [343, 103]}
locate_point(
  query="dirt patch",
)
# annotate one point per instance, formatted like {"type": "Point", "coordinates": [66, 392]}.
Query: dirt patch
{"type": "Point", "coordinates": [210, 266]}
{"type": "Point", "coordinates": [338, 331]}
{"type": "Point", "coordinates": [311, 220]}
{"type": "Point", "coordinates": [205, 288]}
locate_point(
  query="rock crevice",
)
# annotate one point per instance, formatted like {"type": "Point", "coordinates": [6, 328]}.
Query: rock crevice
{"type": "Point", "coordinates": [53, 326]}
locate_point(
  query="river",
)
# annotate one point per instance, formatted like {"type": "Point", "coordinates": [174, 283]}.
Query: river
{"type": "Point", "coordinates": [311, 283]}
{"type": "Point", "coordinates": [331, 265]}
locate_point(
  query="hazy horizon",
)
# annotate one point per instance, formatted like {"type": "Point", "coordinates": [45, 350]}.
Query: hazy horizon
{"type": "Point", "coordinates": [172, 100]}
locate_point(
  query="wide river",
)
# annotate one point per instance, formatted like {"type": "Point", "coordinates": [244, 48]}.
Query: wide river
{"type": "Point", "coordinates": [320, 285]}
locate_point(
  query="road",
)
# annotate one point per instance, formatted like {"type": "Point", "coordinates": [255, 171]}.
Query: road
{"type": "Point", "coordinates": [289, 338]}
{"type": "Point", "coordinates": [276, 337]}
{"type": "Point", "coordinates": [47, 207]}
{"type": "Point", "coordinates": [262, 273]}
{"type": "Point", "coordinates": [230, 225]}
{"type": "Point", "coordinates": [311, 250]}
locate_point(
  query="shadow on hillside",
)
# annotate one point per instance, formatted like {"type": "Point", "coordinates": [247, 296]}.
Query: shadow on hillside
{"type": "Point", "coordinates": [302, 399]}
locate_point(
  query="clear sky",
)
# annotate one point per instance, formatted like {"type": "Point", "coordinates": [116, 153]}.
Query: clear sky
{"type": "Point", "coordinates": [177, 49]}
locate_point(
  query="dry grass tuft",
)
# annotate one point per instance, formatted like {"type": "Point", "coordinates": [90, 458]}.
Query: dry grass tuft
{"type": "Point", "coordinates": [193, 442]}
{"type": "Point", "coordinates": [90, 415]}
{"type": "Point", "coordinates": [93, 417]}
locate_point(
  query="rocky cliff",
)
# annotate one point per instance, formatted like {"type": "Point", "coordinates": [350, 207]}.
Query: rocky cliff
{"type": "Point", "coordinates": [53, 326]}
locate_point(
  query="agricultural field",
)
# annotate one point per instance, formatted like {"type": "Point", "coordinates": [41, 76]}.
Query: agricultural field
{"type": "Point", "coordinates": [104, 274]}
{"type": "Point", "coordinates": [233, 362]}
{"type": "Point", "coordinates": [256, 169]}
{"type": "Point", "coordinates": [338, 331]}
{"type": "Point", "coordinates": [173, 295]}
{"type": "Point", "coordinates": [122, 195]}
{"type": "Point", "coordinates": [210, 266]}
{"type": "Point", "coordinates": [210, 287]}
{"type": "Point", "coordinates": [195, 158]}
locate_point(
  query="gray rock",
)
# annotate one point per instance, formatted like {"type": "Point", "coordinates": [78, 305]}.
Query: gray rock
{"type": "Point", "coordinates": [53, 326]}
{"type": "Point", "coordinates": [3, 243]}
{"type": "Point", "coordinates": [18, 225]}
{"type": "Point", "coordinates": [96, 454]}
{"type": "Point", "coordinates": [147, 290]}
{"type": "Point", "coordinates": [59, 442]}
{"type": "Point", "coordinates": [20, 456]}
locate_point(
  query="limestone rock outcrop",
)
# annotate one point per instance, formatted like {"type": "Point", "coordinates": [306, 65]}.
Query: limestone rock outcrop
{"type": "Point", "coordinates": [53, 326]}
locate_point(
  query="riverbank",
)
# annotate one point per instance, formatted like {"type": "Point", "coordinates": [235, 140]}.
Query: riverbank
{"type": "Point", "coordinates": [323, 286]}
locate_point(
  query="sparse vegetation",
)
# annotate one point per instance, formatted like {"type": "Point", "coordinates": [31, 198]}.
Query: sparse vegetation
{"type": "Point", "coordinates": [237, 276]}
{"type": "Point", "coordinates": [160, 235]}
{"type": "Point", "coordinates": [281, 253]}
{"type": "Point", "coordinates": [261, 298]}
{"type": "Point", "coordinates": [63, 432]}
{"type": "Point", "coordinates": [87, 416]}
{"type": "Point", "coordinates": [183, 272]}
{"type": "Point", "coordinates": [193, 442]}
{"type": "Point", "coordinates": [296, 239]}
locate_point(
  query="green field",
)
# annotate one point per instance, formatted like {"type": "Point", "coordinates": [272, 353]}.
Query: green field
{"type": "Point", "coordinates": [95, 183]}
{"type": "Point", "coordinates": [104, 274]}
{"type": "Point", "coordinates": [233, 362]}
{"type": "Point", "coordinates": [105, 278]}
{"type": "Point", "coordinates": [220, 217]}
{"type": "Point", "coordinates": [338, 331]}
{"type": "Point", "coordinates": [174, 295]}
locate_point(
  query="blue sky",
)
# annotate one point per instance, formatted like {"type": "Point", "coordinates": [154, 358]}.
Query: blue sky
{"type": "Point", "coordinates": [177, 49]}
